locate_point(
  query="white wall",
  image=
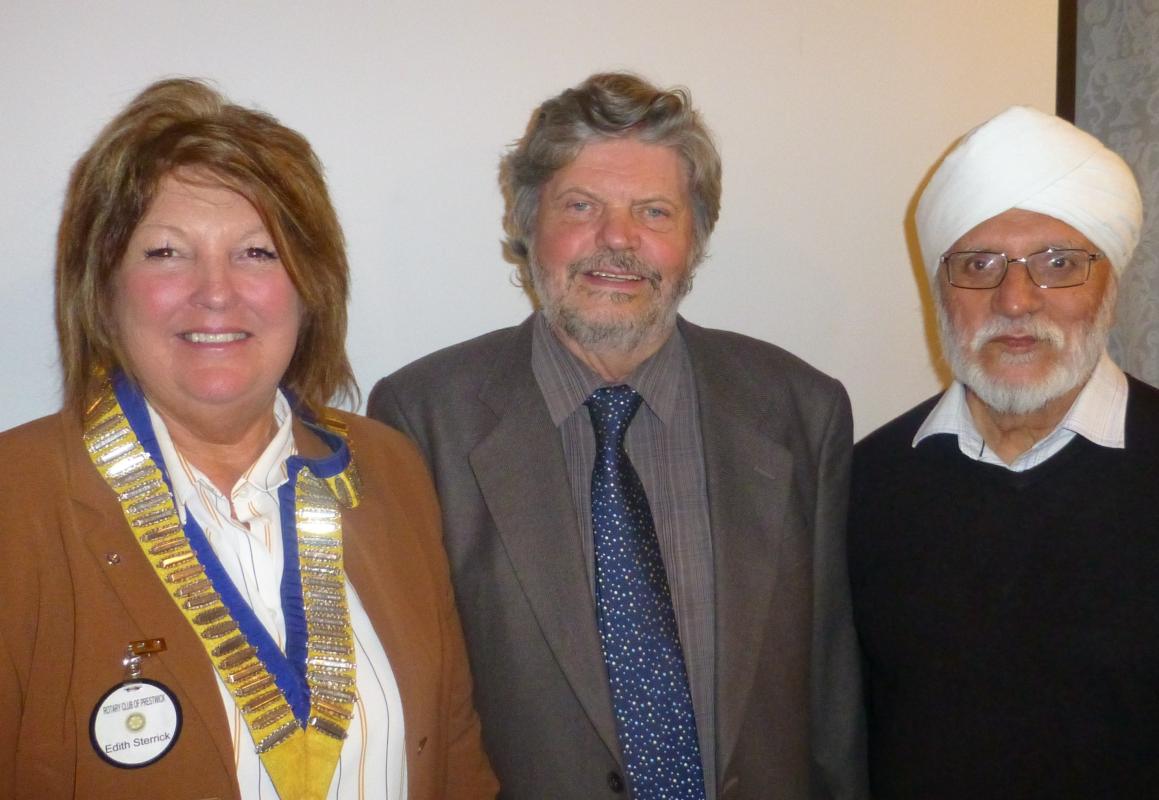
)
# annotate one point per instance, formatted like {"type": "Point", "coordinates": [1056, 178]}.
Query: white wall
{"type": "Point", "coordinates": [828, 115]}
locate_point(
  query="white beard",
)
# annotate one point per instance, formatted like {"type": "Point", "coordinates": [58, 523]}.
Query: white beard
{"type": "Point", "coordinates": [1080, 352]}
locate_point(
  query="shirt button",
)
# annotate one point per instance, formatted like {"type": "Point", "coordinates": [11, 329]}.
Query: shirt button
{"type": "Point", "coordinates": [615, 782]}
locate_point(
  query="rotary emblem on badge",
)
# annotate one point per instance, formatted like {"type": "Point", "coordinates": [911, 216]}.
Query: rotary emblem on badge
{"type": "Point", "coordinates": [135, 723]}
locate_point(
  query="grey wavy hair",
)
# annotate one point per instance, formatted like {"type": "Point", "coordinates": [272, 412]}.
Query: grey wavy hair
{"type": "Point", "coordinates": [610, 105]}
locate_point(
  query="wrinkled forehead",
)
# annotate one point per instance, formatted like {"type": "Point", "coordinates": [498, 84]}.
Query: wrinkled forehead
{"type": "Point", "coordinates": [632, 153]}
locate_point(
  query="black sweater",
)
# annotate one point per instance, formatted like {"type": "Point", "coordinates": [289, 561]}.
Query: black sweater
{"type": "Point", "coordinates": [1009, 622]}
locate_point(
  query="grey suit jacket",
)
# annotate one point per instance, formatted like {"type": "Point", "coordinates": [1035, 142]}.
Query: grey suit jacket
{"type": "Point", "coordinates": [777, 439]}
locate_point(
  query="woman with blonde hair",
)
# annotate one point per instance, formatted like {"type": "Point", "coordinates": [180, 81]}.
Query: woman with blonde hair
{"type": "Point", "coordinates": [214, 584]}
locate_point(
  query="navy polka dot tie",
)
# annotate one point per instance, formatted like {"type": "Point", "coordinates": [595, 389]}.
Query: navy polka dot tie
{"type": "Point", "coordinates": [638, 632]}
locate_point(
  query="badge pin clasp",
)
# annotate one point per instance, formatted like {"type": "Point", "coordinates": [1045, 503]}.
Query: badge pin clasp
{"type": "Point", "coordinates": [136, 652]}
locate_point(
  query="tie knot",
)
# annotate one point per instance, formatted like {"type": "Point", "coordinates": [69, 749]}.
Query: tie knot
{"type": "Point", "coordinates": [612, 408]}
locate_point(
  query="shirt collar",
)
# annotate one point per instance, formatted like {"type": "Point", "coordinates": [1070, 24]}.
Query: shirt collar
{"type": "Point", "coordinates": [266, 474]}
{"type": "Point", "coordinates": [566, 382]}
{"type": "Point", "coordinates": [1098, 414]}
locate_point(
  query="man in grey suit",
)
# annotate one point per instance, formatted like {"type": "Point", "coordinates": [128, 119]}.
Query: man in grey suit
{"type": "Point", "coordinates": [739, 679]}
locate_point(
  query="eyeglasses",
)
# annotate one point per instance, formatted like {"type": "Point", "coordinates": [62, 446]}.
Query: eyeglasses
{"type": "Point", "coordinates": [1050, 269]}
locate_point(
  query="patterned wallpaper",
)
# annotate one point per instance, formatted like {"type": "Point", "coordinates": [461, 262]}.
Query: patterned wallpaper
{"type": "Point", "coordinates": [1117, 88]}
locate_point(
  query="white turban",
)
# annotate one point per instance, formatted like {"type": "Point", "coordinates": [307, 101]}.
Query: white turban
{"type": "Point", "coordinates": [1025, 159]}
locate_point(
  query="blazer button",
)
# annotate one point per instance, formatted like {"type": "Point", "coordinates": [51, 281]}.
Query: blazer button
{"type": "Point", "coordinates": [615, 782]}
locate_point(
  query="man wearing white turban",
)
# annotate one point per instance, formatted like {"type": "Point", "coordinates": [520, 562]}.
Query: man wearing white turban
{"type": "Point", "coordinates": [1003, 535]}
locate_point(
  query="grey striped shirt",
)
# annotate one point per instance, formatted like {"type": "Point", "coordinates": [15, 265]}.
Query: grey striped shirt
{"type": "Point", "coordinates": [664, 444]}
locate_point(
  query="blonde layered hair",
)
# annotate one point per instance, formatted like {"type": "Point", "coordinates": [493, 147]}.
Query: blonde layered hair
{"type": "Point", "coordinates": [184, 124]}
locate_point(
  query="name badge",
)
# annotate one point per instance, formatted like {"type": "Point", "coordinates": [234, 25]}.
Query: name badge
{"type": "Point", "coordinates": [136, 723]}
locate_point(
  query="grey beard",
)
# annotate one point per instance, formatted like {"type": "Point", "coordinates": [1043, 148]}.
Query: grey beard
{"type": "Point", "coordinates": [623, 335]}
{"type": "Point", "coordinates": [1078, 361]}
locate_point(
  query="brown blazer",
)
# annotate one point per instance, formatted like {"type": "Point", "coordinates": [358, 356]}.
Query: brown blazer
{"type": "Point", "coordinates": [76, 589]}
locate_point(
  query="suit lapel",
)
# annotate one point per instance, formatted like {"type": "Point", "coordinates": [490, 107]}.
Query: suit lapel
{"type": "Point", "coordinates": [101, 524]}
{"type": "Point", "coordinates": [397, 598]}
{"type": "Point", "coordinates": [386, 588]}
{"type": "Point", "coordinates": [748, 474]}
{"type": "Point", "coordinates": [521, 473]}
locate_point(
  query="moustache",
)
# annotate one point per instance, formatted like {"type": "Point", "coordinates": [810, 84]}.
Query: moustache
{"type": "Point", "coordinates": [622, 262]}
{"type": "Point", "coordinates": [1040, 329]}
